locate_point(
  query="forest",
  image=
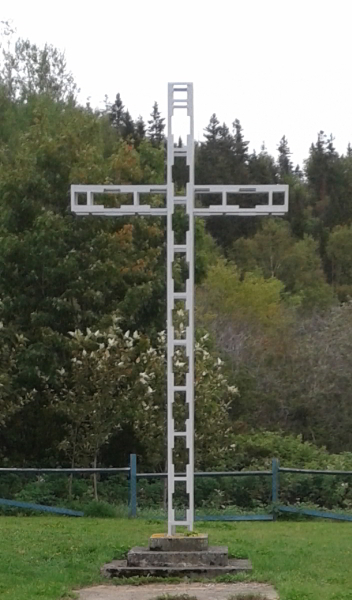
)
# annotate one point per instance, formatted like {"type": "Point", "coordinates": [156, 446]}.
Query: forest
{"type": "Point", "coordinates": [82, 300]}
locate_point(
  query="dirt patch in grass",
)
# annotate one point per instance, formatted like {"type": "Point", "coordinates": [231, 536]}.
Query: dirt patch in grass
{"type": "Point", "coordinates": [232, 597]}
{"type": "Point", "coordinates": [182, 591]}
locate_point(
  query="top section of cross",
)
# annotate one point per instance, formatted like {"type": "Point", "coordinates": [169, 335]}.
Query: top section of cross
{"type": "Point", "coordinates": [207, 200]}
{"type": "Point", "coordinates": [180, 100]}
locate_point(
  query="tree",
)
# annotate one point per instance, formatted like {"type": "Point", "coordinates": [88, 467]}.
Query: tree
{"type": "Point", "coordinates": [267, 250]}
{"type": "Point", "coordinates": [116, 114]}
{"type": "Point", "coordinates": [128, 128]}
{"type": "Point", "coordinates": [212, 131]}
{"type": "Point", "coordinates": [284, 161]}
{"type": "Point", "coordinates": [27, 70]}
{"type": "Point", "coordinates": [221, 159]}
{"type": "Point", "coordinates": [326, 176]}
{"type": "Point", "coordinates": [140, 131]}
{"type": "Point", "coordinates": [117, 378]}
{"type": "Point", "coordinates": [310, 379]}
{"type": "Point", "coordinates": [226, 296]}
{"type": "Point", "coordinates": [296, 263]}
{"type": "Point", "coordinates": [212, 154]}
{"type": "Point", "coordinates": [156, 126]}
{"type": "Point", "coordinates": [339, 252]}
{"type": "Point", "coordinates": [304, 276]}
{"type": "Point", "coordinates": [241, 156]}
{"type": "Point", "coordinates": [262, 168]}
{"type": "Point", "coordinates": [14, 393]}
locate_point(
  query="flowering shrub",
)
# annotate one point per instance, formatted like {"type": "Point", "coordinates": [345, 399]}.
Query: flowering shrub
{"type": "Point", "coordinates": [117, 378]}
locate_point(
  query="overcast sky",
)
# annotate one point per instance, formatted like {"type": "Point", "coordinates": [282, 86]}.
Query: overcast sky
{"type": "Point", "coordinates": [281, 67]}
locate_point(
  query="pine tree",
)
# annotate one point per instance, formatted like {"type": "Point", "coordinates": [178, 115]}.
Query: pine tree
{"type": "Point", "coordinates": [328, 179]}
{"type": "Point", "coordinates": [116, 114]}
{"type": "Point", "coordinates": [262, 167]}
{"type": "Point", "coordinates": [128, 128]}
{"type": "Point", "coordinates": [213, 130]}
{"type": "Point", "coordinates": [317, 168]}
{"type": "Point", "coordinates": [140, 128]}
{"type": "Point", "coordinates": [240, 147]}
{"type": "Point", "coordinates": [284, 162]}
{"type": "Point", "coordinates": [156, 126]}
{"type": "Point", "coordinates": [298, 172]}
{"type": "Point", "coordinates": [240, 152]}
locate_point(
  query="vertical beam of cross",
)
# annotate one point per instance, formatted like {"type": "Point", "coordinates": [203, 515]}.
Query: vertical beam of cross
{"type": "Point", "coordinates": [180, 98]}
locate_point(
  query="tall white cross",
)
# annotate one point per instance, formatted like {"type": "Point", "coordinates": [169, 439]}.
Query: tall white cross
{"type": "Point", "coordinates": [180, 97]}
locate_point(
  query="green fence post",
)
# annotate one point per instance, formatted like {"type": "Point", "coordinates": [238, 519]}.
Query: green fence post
{"type": "Point", "coordinates": [275, 486]}
{"type": "Point", "coordinates": [133, 486]}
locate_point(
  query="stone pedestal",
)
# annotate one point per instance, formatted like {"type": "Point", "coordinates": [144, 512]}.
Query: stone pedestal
{"type": "Point", "coordinates": [177, 556]}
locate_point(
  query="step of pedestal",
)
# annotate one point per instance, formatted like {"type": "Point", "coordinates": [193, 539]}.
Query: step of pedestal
{"type": "Point", "coordinates": [178, 542]}
{"type": "Point", "coordinates": [119, 568]}
{"type": "Point", "coordinates": [143, 557]}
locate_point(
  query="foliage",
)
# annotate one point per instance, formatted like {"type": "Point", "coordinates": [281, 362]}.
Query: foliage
{"type": "Point", "coordinates": [267, 292]}
{"type": "Point", "coordinates": [156, 126]}
{"type": "Point", "coordinates": [13, 392]}
{"type": "Point", "coordinates": [339, 252]}
{"type": "Point", "coordinates": [276, 253]}
{"type": "Point", "coordinates": [117, 378]}
{"type": "Point", "coordinates": [219, 495]}
{"type": "Point", "coordinates": [225, 294]}
{"type": "Point", "coordinates": [27, 69]}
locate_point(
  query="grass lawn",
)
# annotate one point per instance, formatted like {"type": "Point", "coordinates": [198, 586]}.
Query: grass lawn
{"type": "Point", "coordinates": [47, 557]}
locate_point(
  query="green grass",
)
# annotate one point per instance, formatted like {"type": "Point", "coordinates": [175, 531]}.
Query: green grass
{"type": "Point", "coordinates": [175, 597]}
{"type": "Point", "coordinates": [46, 557]}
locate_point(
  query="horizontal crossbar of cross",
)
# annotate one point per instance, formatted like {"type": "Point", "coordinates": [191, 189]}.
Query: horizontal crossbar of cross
{"type": "Point", "coordinates": [145, 209]}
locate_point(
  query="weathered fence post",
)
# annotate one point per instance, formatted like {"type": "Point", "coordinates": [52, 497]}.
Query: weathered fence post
{"type": "Point", "coordinates": [132, 512]}
{"type": "Point", "coordinates": [275, 486]}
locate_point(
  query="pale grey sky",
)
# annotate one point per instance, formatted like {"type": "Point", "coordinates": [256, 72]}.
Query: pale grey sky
{"type": "Point", "coordinates": [280, 66]}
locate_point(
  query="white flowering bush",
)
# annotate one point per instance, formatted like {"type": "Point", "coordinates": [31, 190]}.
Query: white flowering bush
{"type": "Point", "coordinates": [118, 378]}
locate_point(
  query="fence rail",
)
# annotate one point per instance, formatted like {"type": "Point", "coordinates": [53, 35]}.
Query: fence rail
{"type": "Point", "coordinates": [66, 471]}
{"type": "Point", "coordinates": [134, 476]}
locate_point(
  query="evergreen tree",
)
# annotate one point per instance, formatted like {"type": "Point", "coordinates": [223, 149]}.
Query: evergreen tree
{"type": "Point", "coordinates": [156, 126]}
{"type": "Point", "coordinates": [116, 114]}
{"type": "Point", "coordinates": [214, 157]}
{"type": "Point", "coordinates": [128, 129]}
{"type": "Point", "coordinates": [284, 161]}
{"type": "Point", "coordinates": [317, 168]}
{"type": "Point", "coordinates": [241, 157]}
{"type": "Point", "coordinates": [262, 168]}
{"type": "Point", "coordinates": [328, 180]}
{"type": "Point", "coordinates": [140, 130]}
{"type": "Point", "coordinates": [298, 172]}
{"type": "Point", "coordinates": [222, 159]}
{"type": "Point", "coordinates": [212, 130]}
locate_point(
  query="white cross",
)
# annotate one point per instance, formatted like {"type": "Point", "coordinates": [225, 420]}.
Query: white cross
{"type": "Point", "coordinates": [180, 97]}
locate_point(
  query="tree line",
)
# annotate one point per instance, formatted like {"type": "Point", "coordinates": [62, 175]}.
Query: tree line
{"type": "Point", "coordinates": [82, 300]}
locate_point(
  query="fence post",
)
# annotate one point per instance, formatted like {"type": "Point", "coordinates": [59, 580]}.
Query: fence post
{"type": "Point", "coordinates": [132, 509]}
{"type": "Point", "coordinates": [275, 486]}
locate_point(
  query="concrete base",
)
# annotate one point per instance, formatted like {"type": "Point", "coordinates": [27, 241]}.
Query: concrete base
{"type": "Point", "coordinates": [120, 568]}
{"type": "Point", "coordinates": [142, 557]}
{"type": "Point", "coordinates": [179, 542]}
{"type": "Point", "coordinates": [176, 556]}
